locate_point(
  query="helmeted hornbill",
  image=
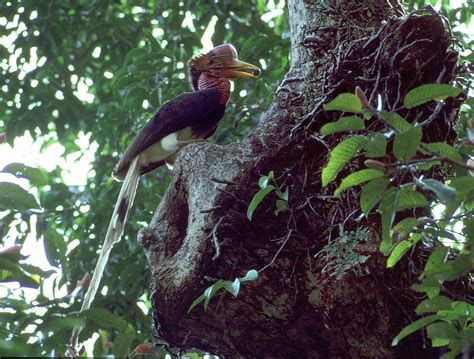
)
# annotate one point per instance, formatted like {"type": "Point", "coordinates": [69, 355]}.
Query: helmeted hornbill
{"type": "Point", "coordinates": [188, 117]}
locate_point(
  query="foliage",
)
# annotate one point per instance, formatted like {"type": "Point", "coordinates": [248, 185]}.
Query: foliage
{"type": "Point", "coordinates": [400, 186]}
{"type": "Point", "coordinates": [347, 123]}
{"type": "Point", "coordinates": [233, 287]}
{"type": "Point", "coordinates": [265, 189]}
{"type": "Point", "coordinates": [341, 254]}
{"type": "Point", "coordinates": [76, 69]}
{"type": "Point", "coordinates": [98, 70]}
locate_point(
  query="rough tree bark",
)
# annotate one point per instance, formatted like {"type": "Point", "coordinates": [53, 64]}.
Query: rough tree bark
{"type": "Point", "coordinates": [304, 304]}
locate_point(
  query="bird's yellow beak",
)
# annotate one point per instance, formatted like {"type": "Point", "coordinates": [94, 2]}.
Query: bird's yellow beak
{"type": "Point", "coordinates": [240, 69]}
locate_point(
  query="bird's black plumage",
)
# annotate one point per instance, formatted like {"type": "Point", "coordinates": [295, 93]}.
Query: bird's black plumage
{"type": "Point", "coordinates": [200, 110]}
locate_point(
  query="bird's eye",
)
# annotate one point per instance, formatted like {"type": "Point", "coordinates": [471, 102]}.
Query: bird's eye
{"type": "Point", "coordinates": [212, 62]}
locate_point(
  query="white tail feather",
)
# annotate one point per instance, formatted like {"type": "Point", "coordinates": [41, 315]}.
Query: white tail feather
{"type": "Point", "coordinates": [114, 233]}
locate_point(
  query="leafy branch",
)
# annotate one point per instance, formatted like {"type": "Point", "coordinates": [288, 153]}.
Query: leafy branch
{"type": "Point", "coordinates": [267, 185]}
{"type": "Point", "coordinates": [385, 189]}
{"type": "Point", "coordinates": [233, 287]}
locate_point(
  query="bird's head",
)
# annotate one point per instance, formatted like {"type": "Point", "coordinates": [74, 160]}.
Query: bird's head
{"type": "Point", "coordinates": [221, 62]}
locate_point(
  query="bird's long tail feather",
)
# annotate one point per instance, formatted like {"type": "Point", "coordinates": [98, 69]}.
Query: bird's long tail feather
{"type": "Point", "coordinates": [114, 233]}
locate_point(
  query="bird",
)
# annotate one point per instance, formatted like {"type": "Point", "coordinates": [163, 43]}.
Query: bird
{"type": "Point", "coordinates": [189, 117]}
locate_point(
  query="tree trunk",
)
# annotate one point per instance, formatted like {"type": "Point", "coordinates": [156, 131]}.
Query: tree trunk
{"type": "Point", "coordinates": [324, 291]}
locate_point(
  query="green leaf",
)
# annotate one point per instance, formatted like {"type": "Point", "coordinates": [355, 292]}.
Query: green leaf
{"type": "Point", "coordinates": [409, 198]}
{"type": "Point", "coordinates": [442, 332]}
{"type": "Point", "coordinates": [55, 247]}
{"type": "Point", "coordinates": [12, 271]}
{"type": "Point", "coordinates": [347, 102]}
{"type": "Point", "coordinates": [462, 308]}
{"type": "Point", "coordinates": [444, 150]}
{"type": "Point", "coordinates": [397, 253]}
{"type": "Point", "coordinates": [263, 181]}
{"type": "Point", "coordinates": [134, 98]}
{"type": "Point", "coordinates": [450, 270]}
{"type": "Point", "coordinates": [401, 248]}
{"type": "Point", "coordinates": [36, 176]}
{"type": "Point", "coordinates": [281, 206]}
{"type": "Point", "coordinates": [392, 202]}
{"type": "Point", "coordinates": [413, 327]}
{"type": "Point", "coordinates": [261, 6]}
{"type": "Point", "coordinates": [468, 230]}
{"type": "Point", "coordinates": [133, 54]}
{"type": "Point", "coordinates": [405, 226]}
{"type": "Point", "coordinates": [427, 165]}
{"type": "Point", "coordinates": [232, 287]}
{"type": "Point", "coordinates": [432, 305]}
{"type": "Point", "coordinates": [387, 210]}
{"type": "Point", "coordinates": [259, 196]}
{"type": "Point", "coordinates": [282, 195]}
{"type": "Point", "coordinates": [13, 197]}
{"type": "Point", "coordinates": [209, 292]}
{"type": "Point", "coordinates": [18, 305]}
{"type": "Point", "coordinates": [196, 302]}
{"type": "Point", "coordinates": [122, 343]}
{"type": "Point", "coordinates": [121, 83]}
{"type": "Point", "coordinates": [255, 44]}
{"type": "Point", "coordinates": [148, 58]}
{"type": "Point", "coordinates": [348, 123]}
{"type": "Point", "coordinates": [29, 268]}
{"type": "Point", "coordinates": [395, 121]}
{"type": "Point", "coordinates": [445, 194]}
{"type": "Point", "coordinates": [440, 233]}
{"type": "Point", "coordinates": [426, 93]}
{"type": "Point", "coordinates": [469, 334]}
{"type": "Point", "coordinates": [132, 69]}
{"type": "Point", "coordinates": [456, 348]}
{"type": "Point", "coordinates": [105, 319]}
{"type": "Point", "coordinates": [340, 155]}
{"type": "Point", "coordinates": [357, 178]}
{"type": "Point", "coordinates": [430, 290]}
{"type": "Point", "coordinates": [372, 193]}
{"type": "Point", "coordinates": [377, 146]}
{"type": "Point", "coordinates": [438, 342]}
{"type": "Point", "coordinates": [367, 114]}
{"type": "Point", "coordinates": [464, 187]}
{"type": "Point", "coordinates": [436, 258]}
{"type": "Point", "coordinates": [406, 143]}
{"type": "Point", "coordinates": [251, 275]}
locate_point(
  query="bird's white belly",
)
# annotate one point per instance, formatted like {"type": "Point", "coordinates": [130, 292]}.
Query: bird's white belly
{"type": "Point", "coordinates": [169, 143]}
{"type": "Point", "coordinates": [164, 148]}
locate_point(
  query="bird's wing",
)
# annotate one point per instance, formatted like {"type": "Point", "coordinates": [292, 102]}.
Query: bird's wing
{"type": "Point", "coordinates": [199, 110]}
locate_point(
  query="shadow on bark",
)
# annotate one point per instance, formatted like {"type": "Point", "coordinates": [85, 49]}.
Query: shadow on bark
{"type": "Point", "coordinates": [327, 293]}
